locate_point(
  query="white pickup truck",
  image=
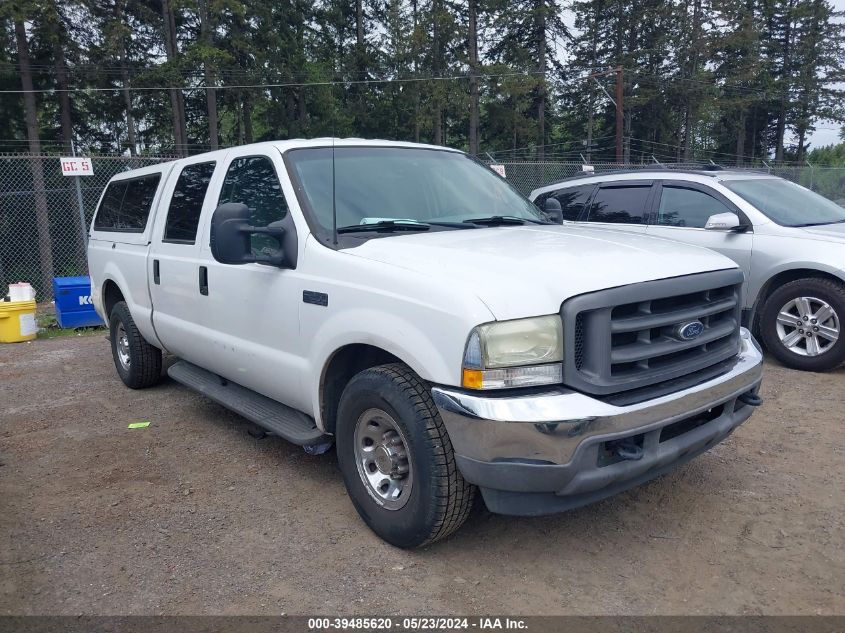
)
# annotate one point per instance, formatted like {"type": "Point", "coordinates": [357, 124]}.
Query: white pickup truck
{"type": "Point", "coordinates": [405, 303]}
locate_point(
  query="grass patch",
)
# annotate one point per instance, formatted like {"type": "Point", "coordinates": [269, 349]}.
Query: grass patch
{"type": "Point", "coordinates": [48, 327]}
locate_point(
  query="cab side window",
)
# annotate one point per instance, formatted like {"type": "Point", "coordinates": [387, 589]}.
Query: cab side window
{"type": "Point", "coordinates": [252, 181]}
{"type": "Point", "coordinates": [689, 208]}
{"type": "Point", "coordinates": [620, 205]}
{"type": "Point", "coordinates": [183, 214]}
{"type": "Point", "coordinates": [572, 200]}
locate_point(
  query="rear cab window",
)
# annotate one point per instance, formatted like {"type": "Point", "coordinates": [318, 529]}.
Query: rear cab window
{"type": "Point", "coordinates": [186, 202]}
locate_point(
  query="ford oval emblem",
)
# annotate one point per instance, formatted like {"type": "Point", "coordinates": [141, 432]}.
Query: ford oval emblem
{"type": "Point", "coordinates": [690, 331]}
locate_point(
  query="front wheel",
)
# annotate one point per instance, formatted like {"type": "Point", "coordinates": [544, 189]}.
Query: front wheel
{"type": "Point", "coordinates": [396, 458]}
{"type": "Point", "coordinates": [801, 324]}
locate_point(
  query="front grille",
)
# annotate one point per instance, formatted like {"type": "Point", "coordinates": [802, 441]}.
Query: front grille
{"type": "Point", "coordinates": [628, 337]}
{"type": "Point", "coordinates": [579, 341]}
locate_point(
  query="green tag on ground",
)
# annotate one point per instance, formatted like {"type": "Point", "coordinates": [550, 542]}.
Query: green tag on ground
{"type": "Point", "coordinates": [139, 425]}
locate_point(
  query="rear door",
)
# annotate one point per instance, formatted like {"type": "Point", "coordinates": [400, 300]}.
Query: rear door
{"type": "Point", "coordinates": [681, 211]}
{"type": "Point", "coordinates": [174, 266]}
{"type": "Point", "coordinates": [623, 205]}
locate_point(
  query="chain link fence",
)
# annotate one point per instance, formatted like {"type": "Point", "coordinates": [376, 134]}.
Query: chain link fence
{"type": "Point", "coordinates": [42, 232]}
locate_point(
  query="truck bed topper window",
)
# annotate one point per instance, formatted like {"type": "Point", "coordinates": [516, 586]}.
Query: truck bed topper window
{"type": "Point", "coordinates": [126, 204]}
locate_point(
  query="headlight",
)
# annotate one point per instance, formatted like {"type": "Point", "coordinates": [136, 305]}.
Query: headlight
{"type": "Point", "coordinates": [518, 353]}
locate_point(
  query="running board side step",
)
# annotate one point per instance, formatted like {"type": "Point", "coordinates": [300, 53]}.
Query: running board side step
{"type": "Point", "coordinates": [278, 419]}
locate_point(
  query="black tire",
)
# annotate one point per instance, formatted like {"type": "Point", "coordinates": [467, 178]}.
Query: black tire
{"type": "Point", "coordinates": [832, 293]}
{"type": "Point", "coordinates": [144, 366]}
{"type": "Point", "coordinates": [440, 499]}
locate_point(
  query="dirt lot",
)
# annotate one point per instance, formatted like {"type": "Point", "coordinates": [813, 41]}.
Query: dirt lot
{"type": "Point", "coordinates": [193, 515]}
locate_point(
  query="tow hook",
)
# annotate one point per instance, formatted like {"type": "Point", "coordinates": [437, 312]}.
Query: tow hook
{"type": "Point", "coordinates": [626, 449]}
{"type": "Point", "coordinates": [751, 399]}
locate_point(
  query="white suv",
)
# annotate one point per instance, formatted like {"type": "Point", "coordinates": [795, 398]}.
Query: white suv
{"type": "Point", "coordinates": [789, 242]}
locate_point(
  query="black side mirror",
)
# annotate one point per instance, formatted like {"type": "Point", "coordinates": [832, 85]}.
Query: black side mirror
{"type": "Point", "coordinates": [553, 210]}
{"type": "Point", "coordinates": [231, 235]}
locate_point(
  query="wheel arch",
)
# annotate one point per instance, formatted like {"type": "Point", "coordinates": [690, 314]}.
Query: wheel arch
{"type": "Point", "coordinates": [339, 369]}
{"type": "Point", "coordinates": [114, 286]}
{"type": "Point", "coordinates": [111, 294]}
{"type": "Point", "coordinates": [779, 279]}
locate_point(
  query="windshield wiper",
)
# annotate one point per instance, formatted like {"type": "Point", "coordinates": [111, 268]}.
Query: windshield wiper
{"type": "Point", "coordinates": [818, 223]}
{"type": "Point", "coordinates": [453, 225]}
{"type": "Point", "coordinates": [386, 225]}
{"type": "Point", "coordinates": [503, 220]}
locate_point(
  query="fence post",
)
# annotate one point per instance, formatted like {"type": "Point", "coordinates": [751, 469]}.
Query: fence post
{"type": "Point", "coordinates": [83, 232]}
{"type": "Point", "coordinates": [812, 175]}
{"type": "Point", "coordinates": [81, 204]}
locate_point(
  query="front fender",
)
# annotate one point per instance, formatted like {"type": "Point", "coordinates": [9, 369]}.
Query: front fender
{"type": "Point", "coordinates": [433, 356]}
{"type": "Point", "coordinates": [758, 283]}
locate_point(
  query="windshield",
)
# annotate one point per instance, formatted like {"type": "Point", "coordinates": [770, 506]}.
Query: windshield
{"type": "Point", "coordinates": [403, 187]}
{"type": "Point", "coordinates": [786, 203]}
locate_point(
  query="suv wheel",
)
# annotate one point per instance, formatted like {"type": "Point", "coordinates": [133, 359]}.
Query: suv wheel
{"type": "Point", "coordinates": [801, 324]}
{"type": "Point", "coordinates": [137, 362]}
{"type": "Point", "coordinates": [396, 458]}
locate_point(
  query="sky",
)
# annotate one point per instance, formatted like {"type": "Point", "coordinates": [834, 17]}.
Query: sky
{"type": "Point", "coordinates": [827, 132]}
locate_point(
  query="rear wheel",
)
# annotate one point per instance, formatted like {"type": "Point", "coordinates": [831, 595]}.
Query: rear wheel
{"type": "Point", "coordinates": [802, 323]}
{"type": "Point", "coordinates": [137, 362]}
{"type": "Point", "coordinates": [396, 458]}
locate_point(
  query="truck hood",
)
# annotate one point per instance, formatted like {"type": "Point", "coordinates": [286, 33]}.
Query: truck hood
{"type": "Point", "coordinates": [521, 271]}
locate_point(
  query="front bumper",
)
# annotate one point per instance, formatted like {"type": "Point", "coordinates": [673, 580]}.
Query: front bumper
{"type": "Point", "coordinates": [548, 452]}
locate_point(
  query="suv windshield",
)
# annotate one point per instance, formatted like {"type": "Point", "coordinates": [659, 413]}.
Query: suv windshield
{"type": "Point", "coordinates": [786, 203]}
{"type": "Point", "coordinates": [403, 188]}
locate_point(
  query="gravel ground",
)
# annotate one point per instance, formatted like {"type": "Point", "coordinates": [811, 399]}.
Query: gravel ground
{"type": "Point", "coordinates": [194, 515]}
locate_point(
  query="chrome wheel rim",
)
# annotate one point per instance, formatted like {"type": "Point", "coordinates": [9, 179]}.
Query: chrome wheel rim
{"type": "Point", "coordinates": [383, 460]}
{"type": "Point", "coordinates": [808, 326]}
{"type": "Point", "coordinates": [122, 346]}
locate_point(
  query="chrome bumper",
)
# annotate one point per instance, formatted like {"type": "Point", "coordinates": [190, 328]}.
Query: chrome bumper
{"type": "Point", "coordinates": [541, 442]}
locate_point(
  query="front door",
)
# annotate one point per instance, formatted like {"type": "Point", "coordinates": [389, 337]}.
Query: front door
{"type": "Point", "coordinates": [253, 309]}
{"type": "Point", "coordinates": [681, 213]}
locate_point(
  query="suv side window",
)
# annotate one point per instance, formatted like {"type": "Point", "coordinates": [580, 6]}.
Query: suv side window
{"type": "Point", "coordinates": [183, 214]}
{"type": "Point", "coordinates": [252, 181]}
{"type": "Point", "coordinates": [572, 200]}
{"type": "Point", "coordinates": [620, 205]}
{"type": "Point", "coordinates": [126, 205]}
{"type": "Point", "coordinates": [689, 208]}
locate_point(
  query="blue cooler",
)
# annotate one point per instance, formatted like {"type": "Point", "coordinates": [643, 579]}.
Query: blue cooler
{"type": "Point", "coordinates": [73, 302]}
